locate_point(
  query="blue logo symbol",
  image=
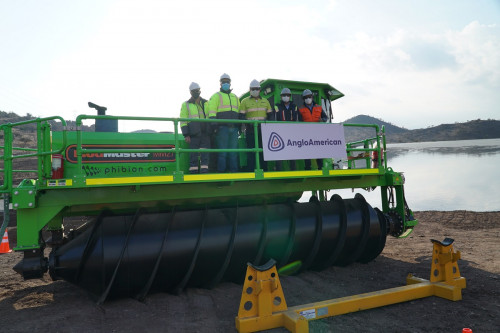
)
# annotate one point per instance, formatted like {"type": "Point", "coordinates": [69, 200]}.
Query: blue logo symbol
{"type": "Point", "coordinates": [275, 143]}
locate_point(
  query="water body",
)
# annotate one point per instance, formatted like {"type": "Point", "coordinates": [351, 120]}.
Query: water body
{"type": "Point", "coordinates": [445, 175]}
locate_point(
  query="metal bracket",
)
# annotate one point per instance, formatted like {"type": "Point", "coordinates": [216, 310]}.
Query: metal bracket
{"type": "Point", "coordinates": [24, 197]}
{"type": "Point", "coordinates": [260, 310]}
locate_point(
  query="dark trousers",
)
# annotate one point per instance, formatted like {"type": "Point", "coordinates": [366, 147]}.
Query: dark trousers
{"type": "Point", "coordinates": [250, 138]}
{"type": "Point", "coordinates": [227, 138]}
{"type": "Point", "coordinates": [319, 162]}
{"type": "Point", "coordinates": [279, 165]}
{"type": "Point", "coordinates": [199, 142]}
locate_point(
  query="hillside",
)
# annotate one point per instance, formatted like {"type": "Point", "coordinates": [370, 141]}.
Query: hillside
{"type": "Point", "coordinates": [358, 133]}
{"type": "Point", "coordinates": [364, 119]}
{"type": "Point", "coordinates": [474, 129]}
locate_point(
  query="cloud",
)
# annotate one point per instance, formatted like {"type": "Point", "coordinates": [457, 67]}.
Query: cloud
{"type": "Point", "coordinates": [417, 80]}
{"type": "Point", "coordinates": [477, 49]}
{"type": "Point", "coordinates": [430, 55]}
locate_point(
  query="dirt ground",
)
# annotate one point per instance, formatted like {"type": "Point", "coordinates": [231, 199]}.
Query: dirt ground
{"type": "Point", "coordinates": [57, 306]}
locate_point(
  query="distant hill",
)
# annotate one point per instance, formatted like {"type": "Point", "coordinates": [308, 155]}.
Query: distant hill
{"type": "Point", "coordinates": [364, 119]}
{"type": "Point", "coordinates": [145, 131]}
{"type": "Point", "coordinates": [474, 129]}
{"type": "Point", "coordinates": [359, 133]}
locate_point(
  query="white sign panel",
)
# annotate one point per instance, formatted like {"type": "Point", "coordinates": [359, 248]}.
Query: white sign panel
{"type": "Point", "coordinates": [297, 141]}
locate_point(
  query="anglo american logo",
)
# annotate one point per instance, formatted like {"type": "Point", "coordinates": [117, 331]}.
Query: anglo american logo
{"type": "Point", "coordinates": [125, 157]}
{"type": "Point", "coordinates": [275, 143]}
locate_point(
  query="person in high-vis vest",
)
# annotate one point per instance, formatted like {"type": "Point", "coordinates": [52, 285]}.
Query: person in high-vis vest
{"type": "Point", "coordinates": [196, 133]}
{"type": "Point", "coordinates": [225, 105]}
{"type": "Point", "coordinates": [285, 110]}
{"type": "Point", "coordinates": [311, 112]}
{"type": "Point", "coordinates": [254, 107]}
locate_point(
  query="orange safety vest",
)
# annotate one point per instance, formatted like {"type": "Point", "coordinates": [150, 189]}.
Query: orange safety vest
{"type": "Point", "coordinates": [311, 117]}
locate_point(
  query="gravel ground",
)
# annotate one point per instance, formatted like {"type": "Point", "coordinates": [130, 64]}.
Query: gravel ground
{"type": "Point", "coordinates": [57, 306]}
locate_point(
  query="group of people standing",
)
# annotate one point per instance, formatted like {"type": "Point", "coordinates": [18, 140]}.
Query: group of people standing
{"type": "Point", "coordinates": [224, 135]}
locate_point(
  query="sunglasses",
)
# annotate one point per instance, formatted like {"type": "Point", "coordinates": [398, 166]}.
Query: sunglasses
{"type": "Point", "coordinates": [310, 96]}
{"type": "Point", "coordinates": [254, 89]}
{"type": "Point", "coordinates": [286, 95]}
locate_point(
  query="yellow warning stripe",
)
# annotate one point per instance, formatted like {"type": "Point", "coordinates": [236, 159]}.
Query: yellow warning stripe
{"type": "Point", "coordinates": [224, 176]}
{"type": "Point", "coordinates": [348, 172]}
{"type": "Point", "coordinates": [129, 180]}
{"type": "Point", "coordinates": [279, 174]}
{"type": "Point", "coordinates": [220, 176]}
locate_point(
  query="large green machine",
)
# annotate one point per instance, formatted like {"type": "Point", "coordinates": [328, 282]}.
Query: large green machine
{"type": "Point", "coordinates": [156, 227]}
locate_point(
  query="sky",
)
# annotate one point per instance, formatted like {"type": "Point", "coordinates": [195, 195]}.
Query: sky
{"type": "Point", "coordinates": [412, 63]}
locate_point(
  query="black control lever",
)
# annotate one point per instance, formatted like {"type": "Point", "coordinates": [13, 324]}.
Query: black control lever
{"type": "Point", "coordinates": [101, 110]}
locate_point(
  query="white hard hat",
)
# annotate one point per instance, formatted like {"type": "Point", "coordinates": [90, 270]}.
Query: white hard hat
{"type": "Point", "coordinates": [225, 76]}
{"type": "Point", "coordinates": [255, 84]}
{"type": "Point", "coordinates": [286, 91]}
{"type": "Point", "coordinates": [194, 86]}
{"type": "Point", "coordinates": [307, 92]}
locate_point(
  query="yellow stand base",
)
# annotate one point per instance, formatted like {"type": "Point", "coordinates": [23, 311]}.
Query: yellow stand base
{"type": "Point", "coordinates": [263, 304]}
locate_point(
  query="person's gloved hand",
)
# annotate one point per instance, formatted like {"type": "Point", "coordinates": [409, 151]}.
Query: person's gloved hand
{"type": "Point", "coordinates": [187, 138]}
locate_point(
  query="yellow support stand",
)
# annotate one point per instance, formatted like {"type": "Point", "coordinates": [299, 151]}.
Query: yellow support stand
{"type": "Point", "coordinates": [262, 300]}
{"type": "Point", "coordinates": [263, 304]}
{"type": "Point", "coordinates": [445, 275]}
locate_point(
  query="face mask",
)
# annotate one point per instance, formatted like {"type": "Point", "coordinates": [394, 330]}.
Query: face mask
{"type": "Point", "coordinates": [254, 93]}
{"type": "Point", "coordinates": [226, 86]}
{"type": "Point", "coordinates": [308, 100]}
{"type": "Point", "coordinates": [285, 99]}
{"type": "Point", "coordinates": [195, 94]}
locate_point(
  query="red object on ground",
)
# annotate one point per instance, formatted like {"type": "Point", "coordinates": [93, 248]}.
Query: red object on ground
{"type": "Point", "coordinates": [4, 246]}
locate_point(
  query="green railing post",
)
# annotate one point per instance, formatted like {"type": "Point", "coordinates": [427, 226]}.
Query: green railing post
{"type": "Point", "coordinates": [47, 165]}
{"type": "Point", "coordinates": [385, 148]}
{"type": "Point", "coordinates": [79, 139]}
{"type": "Point", "coordinates": [176, 145]}
{"type": "Point", "coordinates": [366, 145]}
{"type": "Point", "coordinates": [256, 144]}
{"type": "Point", "coordinates": [7, 158]}
{"type": "Point", "coordinates": [39, 148]}
{"type": "Point", "coordinates": [379, 157]}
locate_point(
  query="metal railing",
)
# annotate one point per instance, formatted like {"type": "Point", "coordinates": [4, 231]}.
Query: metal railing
{"type": "Point", "coordinates": [43, 152]}
{"type": "Point", "coordinates": [44, 148]}
{"type": "Point", "coordinates": [177, 150]}
{"type": "Point", "coordinates": [370, 145]}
